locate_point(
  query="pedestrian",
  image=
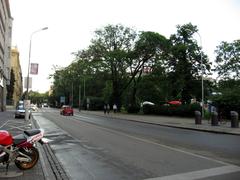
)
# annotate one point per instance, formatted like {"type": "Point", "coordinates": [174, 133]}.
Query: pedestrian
{"type": "Point", "coordinates": [108, 108]}
{"type": "Point", "coordinates": [105, 108]}
{"type": "Point", "coordinates": [114, 108]}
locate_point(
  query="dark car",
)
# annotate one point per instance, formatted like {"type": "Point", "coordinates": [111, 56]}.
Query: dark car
{"type": "Point", "coordinates": [20, 112]}
{"type": "Point", "coordinates": [66, 110]}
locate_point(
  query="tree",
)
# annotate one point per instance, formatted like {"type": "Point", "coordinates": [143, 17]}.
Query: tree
{"type": "Point", "coordinates": [228, 69]}
{"type": "Point", "coordinates": [228, 60]}
{"type": "Point", "coordinates": [228, 97]}
{"type": "Point", "coordinates": [184, 62]}
{"type": "Point", "coordinates": [38, 98]}
{"type": "Point", "coordinates": [148, 51]}
{"type": "Point", "coordinates": [109, 52]}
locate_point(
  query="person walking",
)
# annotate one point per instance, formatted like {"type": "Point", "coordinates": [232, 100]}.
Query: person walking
{"type": "Point", "coordinates": [114, 108]}
{"type": "Point", "coordinates": [108, 108]}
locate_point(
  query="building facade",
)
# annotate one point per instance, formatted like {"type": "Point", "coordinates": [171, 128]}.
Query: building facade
{"type": "Point", "coordinates": [5, 50]}
{"type": "Point", "coordinates": [17, 71]}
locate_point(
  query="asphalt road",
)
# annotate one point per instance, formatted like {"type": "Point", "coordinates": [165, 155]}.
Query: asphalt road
{"type": "Point", "coordinates": [92, 147]}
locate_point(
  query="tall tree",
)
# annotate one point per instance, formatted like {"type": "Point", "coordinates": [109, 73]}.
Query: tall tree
{"type": "Point", "coordinates": [185, 61]}
{"type": "Point", "coordinates": [109, 50]}
{"type": "Point", "coordinates": [228, 60]}
{"type": "Point", "coordinates": [148, 51]}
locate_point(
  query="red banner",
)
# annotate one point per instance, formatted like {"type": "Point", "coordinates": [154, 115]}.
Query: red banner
{"type": "Point", "coordinates": [34, 68]}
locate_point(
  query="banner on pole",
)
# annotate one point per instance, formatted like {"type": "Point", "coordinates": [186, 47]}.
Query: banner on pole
{"type": "Point", "coordinates": [34, 68]}
{"type": "Point", "coordinates": [29, 83]}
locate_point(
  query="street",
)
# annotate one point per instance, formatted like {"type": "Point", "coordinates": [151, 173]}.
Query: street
{"type": "Point", "coordinates": [94, 147]}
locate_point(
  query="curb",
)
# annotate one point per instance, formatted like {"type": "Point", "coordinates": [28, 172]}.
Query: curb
{"type": "Point", "coordinates": [52, 168]}
{"type": "Point", "coordinates": [172, 126]}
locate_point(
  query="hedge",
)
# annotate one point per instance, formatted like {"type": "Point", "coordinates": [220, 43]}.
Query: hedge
{"type": "Point", "coordinates": [186, 110]}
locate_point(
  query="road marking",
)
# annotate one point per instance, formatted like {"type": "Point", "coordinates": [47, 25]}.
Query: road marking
{"type": "Point", "coordinates": [200, 174]}
{"type": "Point", "coordinates": [83, 117]}
{"type": "Point", "coordinates": [22, 128]}
{"type": "Point", "coordinates": [4, 124]}
{"type": "Point", "coordinates": [151, 142]}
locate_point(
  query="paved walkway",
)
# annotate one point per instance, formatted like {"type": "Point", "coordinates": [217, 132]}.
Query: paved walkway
{"type": "Point", "coordinates": [45, 169]}
{"type": "Point", "coordinates": [15, 127]}
{"type": "Point", "coordinates": [178, 122]}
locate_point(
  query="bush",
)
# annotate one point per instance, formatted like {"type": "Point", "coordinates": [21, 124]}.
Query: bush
{"type": "Point", "coordinates": [186, 110]}
{"type": "Point", "coordinates": [133, 109]}
{"type": "Point", "coordinates": [148, 109]}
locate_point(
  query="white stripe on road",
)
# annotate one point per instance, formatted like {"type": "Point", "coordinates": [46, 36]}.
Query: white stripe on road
{"type": "Point", "coordinates": [200, 174]}
{"type": "Point", "coordinates": [4, 124]}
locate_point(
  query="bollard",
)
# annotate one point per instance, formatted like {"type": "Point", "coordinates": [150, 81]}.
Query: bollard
{"type": "Point", "coordinates": [234, 119]}
{"type": "Point", "coordinates": [214, 118]}
{"type": "Point", "coordinates": [198, 117]}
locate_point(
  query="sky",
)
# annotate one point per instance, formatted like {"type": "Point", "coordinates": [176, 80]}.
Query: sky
{"type": "Point", "coordinates": [71, 25]}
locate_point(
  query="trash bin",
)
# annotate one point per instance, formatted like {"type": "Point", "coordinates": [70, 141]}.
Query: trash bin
{"type": "Point", "coordinates": [198, 117]}
{"type": "Point", "coordinates": [214, 118]}
{"type": "Point", "coordinates": [234, 119]}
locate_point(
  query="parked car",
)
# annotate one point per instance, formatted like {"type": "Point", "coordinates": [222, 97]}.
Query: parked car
{"type": "Point", "coordinates": [66, 110]}
{"type": "Point", "coordinates": [20, 112]}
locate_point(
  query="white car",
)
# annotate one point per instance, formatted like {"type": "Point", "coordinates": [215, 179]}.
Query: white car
{"type": "Point", "coordinates": [20, 112]}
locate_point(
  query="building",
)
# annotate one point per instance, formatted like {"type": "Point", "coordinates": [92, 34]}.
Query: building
{"type": "Point", "coordinates": [17, 71]}
{"type": "Point", "coordinates": [5, 49]}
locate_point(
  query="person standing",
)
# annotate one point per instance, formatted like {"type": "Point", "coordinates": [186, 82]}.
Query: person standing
{"type": "Point", "coordinates": [114, 108]}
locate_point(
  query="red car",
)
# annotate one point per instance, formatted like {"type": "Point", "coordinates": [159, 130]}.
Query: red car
{"type": "Point", "coordinates": [66, 110]}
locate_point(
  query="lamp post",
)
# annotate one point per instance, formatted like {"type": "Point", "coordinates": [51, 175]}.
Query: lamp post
{"type": "Point", "coordinates": [202, 85]}
{"type": "Point", "coordinates": [29, 60]}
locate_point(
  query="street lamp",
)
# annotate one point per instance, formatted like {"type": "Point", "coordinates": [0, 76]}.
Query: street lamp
{"type": "Point", "coordinates": [202, 85]}
{"type": "Point", "coordinates": [29, 60]}
{"type": "Point", "coordinates": [201, 56]}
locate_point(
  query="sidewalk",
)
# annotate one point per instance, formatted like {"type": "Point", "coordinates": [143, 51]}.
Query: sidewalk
{"type": "Point", "coordinates": [45, 169]}
{"type": "Point", "coordinates": [15, 127]}
{"type": "Point", "coordinates": [177, 122]}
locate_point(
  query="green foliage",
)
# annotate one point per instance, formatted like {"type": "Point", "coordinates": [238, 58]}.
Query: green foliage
{"type": "Point", "coordinates": [133, 108]}
{"type": "Point", "coordinates": [228, 60]}
{"type": "Point", "coordinates": [112, 69]}
{"type": "Point", "coordinates": [38, 98]}
{"type": "Point", "coordinates": [185, 59]}
{"type": "Point", "coordinates": [186, 110]}
{"type": "Point", "coordinates": [148, 109]}
{"type": "Point", "coordinates": [107, 91]}
{"type": "Point", "coordinates": [229, 99]}
{"type": "Point", "coordinates": [96, 103]}
{"type": "Point", "coordinates": [153, 88]}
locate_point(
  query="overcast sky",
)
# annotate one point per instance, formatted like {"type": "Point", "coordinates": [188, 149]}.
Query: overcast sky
{"type": "Point", "coordinates": [71, 25]}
